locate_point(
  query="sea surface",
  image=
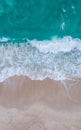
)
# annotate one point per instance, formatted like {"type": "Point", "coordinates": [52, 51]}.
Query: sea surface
{"type": "Point", "coordinates": [40, 39]}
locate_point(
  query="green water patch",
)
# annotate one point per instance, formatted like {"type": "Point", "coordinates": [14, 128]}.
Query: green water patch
{"type": "Point", "coordinates": [40, 19]}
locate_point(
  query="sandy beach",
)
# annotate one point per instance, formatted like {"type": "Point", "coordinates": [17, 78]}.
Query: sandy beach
{"type": "Point", "coordinates": [38, 105]}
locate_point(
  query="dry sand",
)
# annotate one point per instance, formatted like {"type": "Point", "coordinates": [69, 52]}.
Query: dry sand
{"type": "Point", "coordinates": [38, 105]}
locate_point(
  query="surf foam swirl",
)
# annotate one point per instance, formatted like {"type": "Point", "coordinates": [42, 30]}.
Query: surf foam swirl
{"type": "Point", "coordinates": [57, 59]}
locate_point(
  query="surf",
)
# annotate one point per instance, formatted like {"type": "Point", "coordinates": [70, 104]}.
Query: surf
{"type": "Point", "coordinates": [58, 58]}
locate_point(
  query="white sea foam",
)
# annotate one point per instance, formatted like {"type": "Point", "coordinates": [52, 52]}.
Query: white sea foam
{"type": "Point", "coordinates": [57, 45]}
{"type": "Point", "coordinates": [4, 39]}
{"type": "Point", "coordinates": [58, 59]}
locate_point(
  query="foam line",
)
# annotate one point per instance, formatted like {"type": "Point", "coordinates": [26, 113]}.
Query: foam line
{"type": "Point", "coordinates": [58, 59]}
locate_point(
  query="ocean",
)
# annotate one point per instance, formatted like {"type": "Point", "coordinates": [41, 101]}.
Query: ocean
{"type": "Point", "coordinates": [40, 39]}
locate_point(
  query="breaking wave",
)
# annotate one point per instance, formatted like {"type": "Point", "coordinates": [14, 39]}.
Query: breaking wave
{"type": "Point", "coordinates": [58, 58]}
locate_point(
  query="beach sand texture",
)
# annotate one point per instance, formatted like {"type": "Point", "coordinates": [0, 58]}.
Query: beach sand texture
{"type": "Point", "coordinates": [38, 105]}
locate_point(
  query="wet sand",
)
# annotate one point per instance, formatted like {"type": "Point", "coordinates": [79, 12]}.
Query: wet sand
{"type": "Point", "coordinates": [38, 105]}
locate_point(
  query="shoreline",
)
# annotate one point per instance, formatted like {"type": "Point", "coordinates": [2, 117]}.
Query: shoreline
{"type": "Point", "coordinates": [18, 90]}
{"type": "Point", "coordinates": [37, 105]}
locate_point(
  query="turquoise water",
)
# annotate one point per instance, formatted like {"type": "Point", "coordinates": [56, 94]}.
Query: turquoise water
{"type": "Point", "coordinates": [40, 39]}
{"type": "Point", "coordinates": [40, 19]}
